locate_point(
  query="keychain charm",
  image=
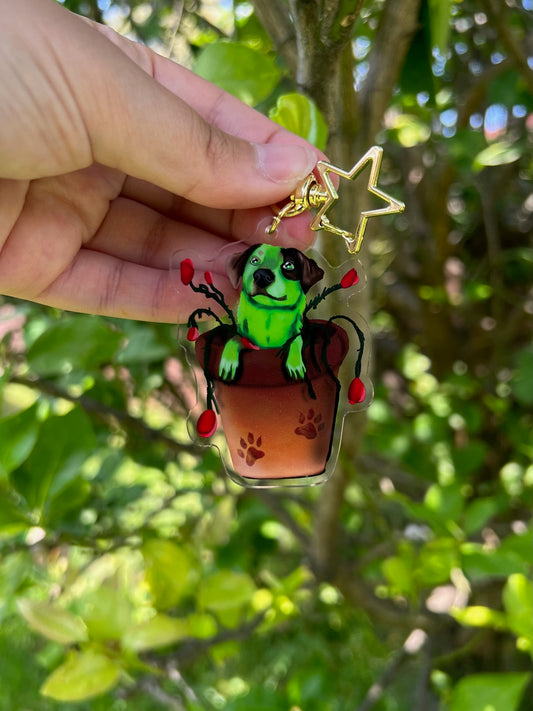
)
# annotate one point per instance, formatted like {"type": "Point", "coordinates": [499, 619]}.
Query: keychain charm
{"type": "Point", "coordinates": [273, 370]}
{"type": "Point", "coordinates": [311, 195]}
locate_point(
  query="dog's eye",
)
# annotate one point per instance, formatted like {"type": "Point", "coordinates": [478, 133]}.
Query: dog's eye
{"type": "Point", "coordinates": [255, 260]}
{"type": "Point", "coordinates": [289, 266]}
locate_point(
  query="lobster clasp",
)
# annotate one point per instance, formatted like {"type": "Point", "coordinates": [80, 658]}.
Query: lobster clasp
{"type": "Point", "coordinates": [321, 196]}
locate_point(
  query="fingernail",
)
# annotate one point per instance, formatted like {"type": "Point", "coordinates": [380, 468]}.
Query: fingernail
{"type": "Point", "coordinates": [284, 164]}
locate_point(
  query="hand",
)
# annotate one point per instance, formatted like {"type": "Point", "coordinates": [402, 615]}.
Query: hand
{"type": "Point", "coordinates": [113, 158]}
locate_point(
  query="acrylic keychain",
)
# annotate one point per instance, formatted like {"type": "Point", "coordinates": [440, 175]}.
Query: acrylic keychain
{"type": "Point", "coordinates": [271, 370]}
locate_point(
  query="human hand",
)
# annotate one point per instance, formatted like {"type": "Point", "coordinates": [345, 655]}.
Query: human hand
{"type": "Point", "coordinates": [112, 158]}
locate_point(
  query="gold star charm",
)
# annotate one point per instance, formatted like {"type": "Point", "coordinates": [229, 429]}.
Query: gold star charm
{"type": "Point", "coordinates": [312, 195]}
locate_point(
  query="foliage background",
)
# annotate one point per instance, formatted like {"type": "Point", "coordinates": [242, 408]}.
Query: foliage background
{"type": "Point", "coordinates": [134, 575]}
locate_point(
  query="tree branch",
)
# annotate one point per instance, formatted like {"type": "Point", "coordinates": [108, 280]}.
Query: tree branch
{"type": "Point", "coordinates": [275, 18]}
{"type": "Point", "coordinates": [107, 413]}
{"type": "Point", "coordinates": [412, 645]}
{"type": "Point", "coordinates": [397, 26]}
{"type": "Point", "coordinates": [275, 504]}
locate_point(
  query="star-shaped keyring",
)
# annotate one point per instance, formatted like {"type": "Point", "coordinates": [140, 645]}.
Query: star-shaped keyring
{"type": "Point", "coordinates": [312, 195]}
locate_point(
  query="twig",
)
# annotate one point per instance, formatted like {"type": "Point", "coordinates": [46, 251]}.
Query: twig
{"type": "Point", "coordinates": [275, 504]}
{"type": "Point", "coordinates": [416, 641]}
{"type": "Point", "coordinates": [377, 689]}
{"type": "Point", "coordinates": [178, 8]}
{"type": "Point", "coordinates": [397, 25]}
{"type": "Point", "coordinates": [152, 687]}
{"type": "Point", "coordinates": [175, 676]}
{"type": "Point", "coordinates": [275, 18]}
{"type": "Point", "coordinates": [106, 412]}
{"type": "Point", "coordinates": [193, 649]}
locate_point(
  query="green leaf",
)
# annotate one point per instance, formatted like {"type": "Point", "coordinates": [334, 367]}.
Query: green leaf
{"type": "Point", "coordinates": [63, 445]}
{"type": "Point", "coordinates": [52, 622]}
{"type": "Point", "coordinates": [416, 74]}
{"type": "Point", "coordinates": [73, 343]}
{"type": "Point", "coordinates": [169, 572]}
{"type": "Point", "coordinates": [399, 575]}
{"type": "Point", "coordinates": [479, 513]}
{"type": "Point", "coordinates": [160, 631]}
{"type": "Point", "coordinates": [447, 501]}
{"type": "Point", "coordinates": [201, 625]}
{"type": "Point", "coordinates": [470, 457]}
{"type": "Point", "coordinates": [12, 520]}
{"type": "Point", "coordinates": [479, 563]}
{"type": "Point", "coordinates": [107, 612]}
{"type": "Point", "coordinates": [410, 130]}
{"type": "Point", "coordinates": [143, 346]}
{"type": "Point", "coordinates": [440, 14]}
{"type": "Point", "coordinates": [226, 590]}
{"type": "Point", "coordinates": [83, 675]}
{"type": "Point", "coordinates": [522, 382]}
{"type": "Point", "coordinates": [249, 75]}
{"type": "Point", "coordinates": [498, 153]}
{"type": "Point", "coordinates": [479, 616]}
{"type": "Point", "coordinates": [489, 692]}
{"type": "Point", "coordinates": [436, 561]}
{"type": "Point", "coordinates": [69, 500]}
{"type": "Point", "coordinates": [18, 435]}
{"type": "Point", "coordinates": [518, 604]}
{"type": "Point", "coordinates": [300, 115]}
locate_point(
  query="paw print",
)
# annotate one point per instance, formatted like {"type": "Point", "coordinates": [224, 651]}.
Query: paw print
{"type": "Point", "coordinates": [310, 424]}
{"type": "Point", "coordinates": [251, 449]}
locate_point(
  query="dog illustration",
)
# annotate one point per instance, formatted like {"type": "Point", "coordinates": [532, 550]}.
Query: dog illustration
{"type": "Point", "coordinates": [271, 307]}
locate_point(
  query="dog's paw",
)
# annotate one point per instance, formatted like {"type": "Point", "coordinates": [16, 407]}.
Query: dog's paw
{"type": "Point", "coordinates": [296, 372]}
{"type": "Point", "coordinates": [229, 362]}
{"type": "Point", "coordinates": [294, 364]}
{"type": "Point", "coordinates": [295, 368]}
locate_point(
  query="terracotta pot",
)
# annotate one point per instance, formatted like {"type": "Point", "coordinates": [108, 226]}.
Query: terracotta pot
{"type": "Point", "coordinates": [277, 428]}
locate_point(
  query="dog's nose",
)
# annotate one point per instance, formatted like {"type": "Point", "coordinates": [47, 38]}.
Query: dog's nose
{"type": "Point", "coordinates": [263, 277]}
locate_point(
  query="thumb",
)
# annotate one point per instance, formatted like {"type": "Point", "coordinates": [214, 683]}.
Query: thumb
{"type": "Point", "coordinates": [145, 130]}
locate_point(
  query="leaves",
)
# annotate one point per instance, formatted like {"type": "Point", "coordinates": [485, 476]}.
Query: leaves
{"type": "Point", "coordinates": [154, 555]}
{"type": "Point", "coordinates": [73, 343]}
{"type": "Point", "coordinates": [18, 435]}
{"type": "Point", "coordinates": [63, 445]}
{"type": "Point", "coordinates": [169, 572]}
{"type": "Point", "coordinates": [522, 383]}
{"type": "Point", "coordinates": [518, 605]}
{"type": "Point", "coordinates": [489, 692]}
{"type": "Point", "coordinates": [107, 612]}
{"type": "Point", "coordinates": [498, 153]}
{"type": "Point", "coordinates": [440, 12]}
{"type": "Point", "coordinates": [160, 631]}
{"type": "Point", "coordinates": [52, 622]}
{"type": "Point", "coordinates": [249, 75]}
{"type": "Point", "coordinates": [82, 676]}
{"type": "Point", "coordinates": [299, 114]}
{"type": "Point", "coordinates": [226, 593]}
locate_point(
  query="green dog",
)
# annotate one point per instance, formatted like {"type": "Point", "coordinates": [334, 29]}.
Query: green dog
{"type": "Point", "coordinates": [272, 303]}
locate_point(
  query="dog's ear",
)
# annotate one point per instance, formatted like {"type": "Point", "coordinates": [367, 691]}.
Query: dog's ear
{"type": "Point", "coordinates": [310, 272]}
{"type": "Point", "coordinates": [237, 263]}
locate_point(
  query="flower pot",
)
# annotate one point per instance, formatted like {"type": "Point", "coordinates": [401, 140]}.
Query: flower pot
{"type": "Point", "coordinates": [277, 428]}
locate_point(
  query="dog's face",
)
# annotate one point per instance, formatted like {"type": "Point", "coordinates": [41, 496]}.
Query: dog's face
{"type": "Point", "coordinates": [274, 277]}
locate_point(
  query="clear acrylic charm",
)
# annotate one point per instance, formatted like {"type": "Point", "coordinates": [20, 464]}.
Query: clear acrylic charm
{"type": "Point", "coordinates": [280, 371]}
{"type": "Point", "coordinates": [277, 373]}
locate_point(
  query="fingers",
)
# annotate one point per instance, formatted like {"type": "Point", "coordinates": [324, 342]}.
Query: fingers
{"type": "Point", "coordinates": [99, 284]}
{"type": "Point", "coordinates": [146, 130]}
{"type": "Point", "coordinates": [215, 106]}
{"type": "Point", "coordinates": [138, 234]}
{"type": "Point", "coordinates": [248, 225]}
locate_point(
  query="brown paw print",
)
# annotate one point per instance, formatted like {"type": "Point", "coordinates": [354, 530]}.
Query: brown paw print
{"type": "Point", "coordinates": [250, 449]}
{"type": "Point", "coordinates": [310, 424]}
